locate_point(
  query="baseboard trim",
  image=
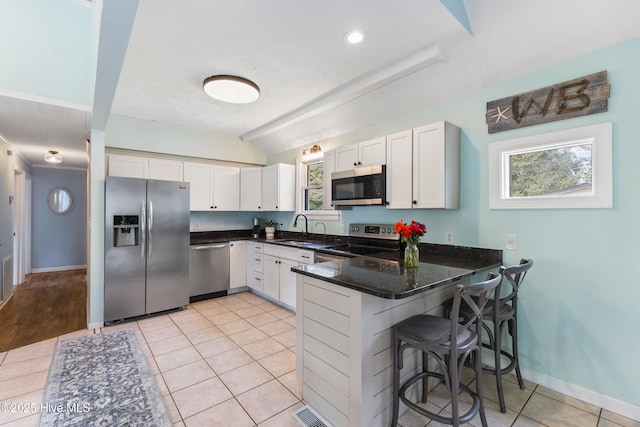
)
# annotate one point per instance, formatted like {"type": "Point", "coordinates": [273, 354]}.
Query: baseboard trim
{"type": "Point", "coordinates": [603, 401]}
{"type": "Point", "coordinates": [63, 268]}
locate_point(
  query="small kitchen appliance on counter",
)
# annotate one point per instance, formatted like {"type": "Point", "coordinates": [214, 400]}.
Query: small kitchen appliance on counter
{"type": "Point", "coordinates": [255, 232]}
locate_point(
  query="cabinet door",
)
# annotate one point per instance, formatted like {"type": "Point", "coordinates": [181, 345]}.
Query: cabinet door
{"type": "Point", "coordinates": [372, 152]}
{"type": "Point", "coordinates": [329, 168]}
{"type": "Point", "coordinates": [270, 185]}
{"type": "Point", "coordinates": [436, 166]}
{"type": "Point", "coordinates": [127, 166]}
{"type": "Point", "coordinates": [225, 181]}
{"type": "Point", "coordinates": [166, 170]}
{"type": "Point", "coordinates": [272, 276]}
{"type": "Point", "coordinates": [399, 193]}
{"type": "Point", "coordinates": [288, 282]}
{"type": "Point", "coordinates": [249, 263]}
{"type": "Point", "coordinates": [250, 189]}
{"type": "Point", "coordinates": [198, 175]}
{"type": "Point", "coordinates": [346, 157]}
{"type": "Point", "coordinates": [238, 264]}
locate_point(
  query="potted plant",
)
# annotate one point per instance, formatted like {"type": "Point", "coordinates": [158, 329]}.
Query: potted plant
{"type": "Point", "coordinates": [270, 228]}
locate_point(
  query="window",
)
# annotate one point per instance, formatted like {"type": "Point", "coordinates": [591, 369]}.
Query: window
{"type": "Point", "coordinates": [566, 169]}
{"type": "Point", "coordinates": [312, 190]}
{"type": "Point", "coordinates": [314, 187]}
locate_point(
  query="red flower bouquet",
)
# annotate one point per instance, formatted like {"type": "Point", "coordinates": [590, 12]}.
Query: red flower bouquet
{"type": "Point", "coordinates": [410, 234]}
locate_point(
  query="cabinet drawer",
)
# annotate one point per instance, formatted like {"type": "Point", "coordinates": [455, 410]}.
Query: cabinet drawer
{"type": "Point", "coordinates": [258, 281]}
{"type": "Point", "coordinates": [258, 262]}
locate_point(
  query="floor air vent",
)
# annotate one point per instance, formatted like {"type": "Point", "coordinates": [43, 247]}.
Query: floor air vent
{"type": "Point", "coordinates": [308, 417]}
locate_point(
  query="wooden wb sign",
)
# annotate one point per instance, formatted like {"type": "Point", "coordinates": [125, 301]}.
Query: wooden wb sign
{"type": "Point", "coordinates": [579, 97]}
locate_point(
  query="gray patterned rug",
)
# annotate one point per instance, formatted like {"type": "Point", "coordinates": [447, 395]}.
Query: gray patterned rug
{"type": "Point", "coordinates": [102, 380]}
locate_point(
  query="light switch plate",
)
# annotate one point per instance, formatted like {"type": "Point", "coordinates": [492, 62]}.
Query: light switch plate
{"type": "Point", "coordinates": [512, 242]}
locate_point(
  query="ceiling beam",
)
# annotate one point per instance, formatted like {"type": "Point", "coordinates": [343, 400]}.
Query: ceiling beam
{"type": "Point", "coordinates": [355, 88]}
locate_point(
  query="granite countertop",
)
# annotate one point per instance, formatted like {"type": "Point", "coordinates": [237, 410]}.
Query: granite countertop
{"type": "Point", "coordinates": [434, 270]}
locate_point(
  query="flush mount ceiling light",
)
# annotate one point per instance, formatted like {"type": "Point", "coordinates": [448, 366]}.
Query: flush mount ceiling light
{"type": "Point", "coordinates": [354, 37]}
{"type": "Point", "coordinates": [53, 157]}
{"type": "Point", "coordinates": [232, 89]}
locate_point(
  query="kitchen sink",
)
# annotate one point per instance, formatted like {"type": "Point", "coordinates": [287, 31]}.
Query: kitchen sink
{"type": "Point", "coordinates": [297, 242]}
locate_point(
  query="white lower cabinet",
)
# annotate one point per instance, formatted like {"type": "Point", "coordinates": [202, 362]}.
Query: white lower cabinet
{"type": "Point", "coordinates": [279, 280]}
{"type": "Point", "coordinates": [238, 264]}
{"type": "Point", "coordinates": [255, 266]}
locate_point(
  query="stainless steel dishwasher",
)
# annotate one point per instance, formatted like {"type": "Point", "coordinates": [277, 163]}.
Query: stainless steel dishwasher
{"type": "Point", "coordinates": [208, 271]}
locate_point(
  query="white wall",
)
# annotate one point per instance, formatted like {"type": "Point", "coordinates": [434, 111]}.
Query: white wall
{"type": "Point", "coordinates": [155, 137]}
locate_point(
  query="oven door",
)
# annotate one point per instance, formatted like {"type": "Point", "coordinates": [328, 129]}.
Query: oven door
{"type": "Point", "coordinates": [358, 187]}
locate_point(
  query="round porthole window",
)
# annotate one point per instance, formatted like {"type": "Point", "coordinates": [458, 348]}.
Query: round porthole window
{"type": "Point", "coordinates": [60, 200]}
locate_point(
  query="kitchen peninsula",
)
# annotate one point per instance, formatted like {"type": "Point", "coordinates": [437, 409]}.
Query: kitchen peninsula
{"type": "Point", "coordinates": [345, 310]}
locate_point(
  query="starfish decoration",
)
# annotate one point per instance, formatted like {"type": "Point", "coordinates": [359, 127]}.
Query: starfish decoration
{"type": "Point", "coordinates": [500, 114]}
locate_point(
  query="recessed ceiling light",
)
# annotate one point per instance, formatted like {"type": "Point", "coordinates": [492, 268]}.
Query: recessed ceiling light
{"type": "Point", "coordinates": [354, 37]}
{"type": "Point", "coordinates": [232, 89]}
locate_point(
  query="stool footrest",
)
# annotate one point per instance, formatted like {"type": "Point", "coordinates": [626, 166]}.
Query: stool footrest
{"type": "Point", "coordinates": [465, 418]}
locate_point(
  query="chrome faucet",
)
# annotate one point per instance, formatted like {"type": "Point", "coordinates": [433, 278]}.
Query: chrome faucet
{"type": "Point", "coordinates": [305, 235]}
{"type": "Point", "coordinates": [325, 230]}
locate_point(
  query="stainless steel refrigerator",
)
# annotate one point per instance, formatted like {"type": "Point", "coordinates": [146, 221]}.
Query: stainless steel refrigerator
{"type": "Point", "coordinates": [146, 247]}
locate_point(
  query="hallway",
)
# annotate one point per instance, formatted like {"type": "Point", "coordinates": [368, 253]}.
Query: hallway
{"type": "Point", "coordinates": [45, 306]}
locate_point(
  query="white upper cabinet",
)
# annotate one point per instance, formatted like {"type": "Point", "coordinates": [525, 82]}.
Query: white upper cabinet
{"type": "Point", "coordinates": [167, 170]}
{"type": "Point", "coordinates": [278, 187]}
{"type": "Point", "coordinates": [225, 181]}
{"type": "Point", "coordinates": [366, 153]}
{"type": "Point", "coordinates": [429, 158]}
{"type": "Point", "coordinates": [329, 168]}
{"type": "Point", "coordinates": [213, 187]}
{"type": "Point", "coordinates": [399, 166]}
{"type": "Point", "coordinates": [250, 189]}
{"type": "Point", "coordinates": [436, 166]}
{"type": "Point", "coordinates": [127, 166]}
{"type": "Point", "coordinates": [142, 167]}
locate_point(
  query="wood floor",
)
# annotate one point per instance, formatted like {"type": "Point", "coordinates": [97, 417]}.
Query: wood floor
{"type": "Point", "coordinates": [44, 306]}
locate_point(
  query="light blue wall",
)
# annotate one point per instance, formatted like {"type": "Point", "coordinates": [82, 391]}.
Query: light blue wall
{"type": "Point", "coordinates": [579, 305]}
{"type": "Point", "coordinates": [58, 240]}
{"type": "Point", "coordinates": [52, 40]}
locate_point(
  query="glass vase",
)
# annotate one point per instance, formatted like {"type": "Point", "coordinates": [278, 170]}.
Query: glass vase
{"type": "Point", "coordinates": [411, 255]}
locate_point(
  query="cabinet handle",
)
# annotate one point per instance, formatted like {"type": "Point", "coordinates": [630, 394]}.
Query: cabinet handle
{"type": "Point", "coordinates": [258, 279]}
{"type": "Point", "coordinates": [211, 207]}
{"type": "Point", "coordinates": [355, 164]}
{"type": "Point", "coordinates": [276, 207]}
{"type": "Point", "coordinates": [257, 259]}
{"type": "Point", "coordinates": [215, 207]}
{"type": "Point", "coordinates": [303, 256]}
{"type": "Point", "coordinates": [387, 203]}
{"type": "Point", "coordinates": [415, 202]}
{"type": "Point", "coordinates": [359, 163]}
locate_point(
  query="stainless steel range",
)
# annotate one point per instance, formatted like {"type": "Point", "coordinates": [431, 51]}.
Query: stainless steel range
{"type": "Point", "coordinates": [377, 241]}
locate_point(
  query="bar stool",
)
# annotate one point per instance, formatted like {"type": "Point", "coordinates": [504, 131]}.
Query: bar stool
{"type": "Point", "coordinates": [501, 312]}
{"type": "Point", "coordinates": [450, 343]}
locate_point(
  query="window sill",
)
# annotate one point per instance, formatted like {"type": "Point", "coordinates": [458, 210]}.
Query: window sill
{"type": "Point", "coordinates": [321, 215]}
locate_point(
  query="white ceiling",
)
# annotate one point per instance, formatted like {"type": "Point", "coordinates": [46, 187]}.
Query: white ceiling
{"type": "Point", "coordinates": [313, 85]}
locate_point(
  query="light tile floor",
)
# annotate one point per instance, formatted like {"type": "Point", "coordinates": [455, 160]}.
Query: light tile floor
{"type": "Point", "coordinates": [231, 361]}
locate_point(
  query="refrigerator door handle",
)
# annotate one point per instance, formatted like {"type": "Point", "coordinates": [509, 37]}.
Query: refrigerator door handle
{"type": "Point", "coordinates": [150, 220]}
{"type": "Point", "coordinates": [143, 230]}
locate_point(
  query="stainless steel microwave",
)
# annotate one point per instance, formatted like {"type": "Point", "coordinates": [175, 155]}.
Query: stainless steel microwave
{"type": "Point", "coordinates": [359, 187]}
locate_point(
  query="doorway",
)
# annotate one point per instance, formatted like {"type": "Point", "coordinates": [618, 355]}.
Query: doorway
{"type": "Point", "coordinates": [21, 212]}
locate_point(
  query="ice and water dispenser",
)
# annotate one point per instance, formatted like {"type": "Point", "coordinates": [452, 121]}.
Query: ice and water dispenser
{"type": "Point", "coordinates": [126, 230]}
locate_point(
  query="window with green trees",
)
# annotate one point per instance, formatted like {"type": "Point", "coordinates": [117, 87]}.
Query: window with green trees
{"type": "Point", "coordinates": [571, 168]}
{"type": "Point", "coordinates": [558, 170]}
{"type": "Point", "coordinates": [314, 188]}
